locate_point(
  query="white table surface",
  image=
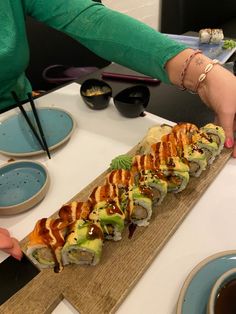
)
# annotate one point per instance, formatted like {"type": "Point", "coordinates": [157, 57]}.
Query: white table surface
{"type": "Point", "coordinates": [100, 136]}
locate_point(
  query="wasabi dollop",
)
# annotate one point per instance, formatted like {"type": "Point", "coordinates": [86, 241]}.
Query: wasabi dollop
{"type": "Point", "coordinates": [229, 44]}
{"type": "Point", "coordinates": [121, 162]}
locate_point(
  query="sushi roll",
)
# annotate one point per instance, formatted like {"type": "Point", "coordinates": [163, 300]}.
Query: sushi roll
{"type": "Point", "coordinates": [204, 142]}
{"type": "Point", "coordinates": [158, 185]}
{"type": "Point", "coordinates": [208, 35]}
{"type": "Point", "coordinates": [74, 211]}
{"type": "Point", "coordinates": [205, 35]}
{"type": "Point", "coordinates": [138, 205]}
{"type": "Point", "coordinates": [177, 181]}
{"type": "Point", "coordinates": [45, 243]}
{"type": "Point", "coordinates": [121, 178]}
{"type": "Point", "coordinates": [193, 156]}
{"type": "Point", "coordinates": [135, 201]}
{"type": "Point", "coordinates": [196, 159]}
{"type": "Point", "coordinates": [193, 136]}
{"type": "Point", "coordinates": [217, 35]}
{"type": "Point", "coordinates": [104, 192]}
{"type": "Point", "coordinates": [107, 210]}
{"type": "Point", "coordinates": [216, 134]}
{"type": "Point", "coordinates": [111, 219]}
{"type": "Point", "coordinates": [188, 129]}
{"type": "Point", "coordinates": [166, 157]}
{"type": "Point", "coordinates": [83, 244]}
{"type": "Point", "coordinates": [142, 163]}
{"type": "Point", "coordinates": [173, 171]}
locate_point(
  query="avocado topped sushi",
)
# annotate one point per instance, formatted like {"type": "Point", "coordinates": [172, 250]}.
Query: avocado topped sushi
{"type": "Point", "coordinates": [83, 244]}
{"type": "Point", "coordinates": [128, 195]}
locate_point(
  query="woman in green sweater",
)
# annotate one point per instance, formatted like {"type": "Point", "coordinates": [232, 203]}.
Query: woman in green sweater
{"type": "Point", "coordinates": [115, 37]}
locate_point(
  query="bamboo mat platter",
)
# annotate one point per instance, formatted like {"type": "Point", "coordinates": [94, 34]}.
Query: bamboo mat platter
{"type": "Point", "coordinates": [102, 288]}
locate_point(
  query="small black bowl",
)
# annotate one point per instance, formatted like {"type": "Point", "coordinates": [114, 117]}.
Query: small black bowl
{"type": "Point", "coordinates": [132, 101]}
{"type": "Point", "coordinates": [96, 93]}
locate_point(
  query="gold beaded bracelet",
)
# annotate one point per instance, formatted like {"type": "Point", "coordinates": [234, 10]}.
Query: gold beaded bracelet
{"type": "Point", "coordinates": [203, 76]}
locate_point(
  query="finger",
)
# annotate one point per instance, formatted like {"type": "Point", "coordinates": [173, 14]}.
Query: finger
{"type": "Point", "coordinates": [15, 250]}
{"type": "Point", "coordinates": [227, 122]}
{"type": "Point", "coordinates": [234, 151]}
{"type": "Point", "coordinates": [5, 241]}
{"type": "Point", "coordinates": [4, 231]}
{"type": "Point", "coordinates": [216, 120]}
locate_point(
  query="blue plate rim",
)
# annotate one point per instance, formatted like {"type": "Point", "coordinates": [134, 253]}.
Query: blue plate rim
{"type": "Point", "coordinates": [44, 187]}
{"type": "Point", "coordinates": [193, 273]}
{"type": "Point", "coordinates": [37, 152]}
{"type": "Point", "coordinates": [196, 39]}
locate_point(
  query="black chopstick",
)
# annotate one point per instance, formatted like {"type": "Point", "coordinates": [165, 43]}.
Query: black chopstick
{"type": "Point", "coordinates": [18, 102]}
{"type": "Point", "coordinates": [31, 100]}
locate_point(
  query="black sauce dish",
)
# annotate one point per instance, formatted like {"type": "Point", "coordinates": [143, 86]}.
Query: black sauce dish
{"type": "Point", "coordinates": [96, 93]}
{"type": "Point", "coordinates": [132, 101]}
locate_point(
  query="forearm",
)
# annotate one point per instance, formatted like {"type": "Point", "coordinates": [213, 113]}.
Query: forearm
{"type": "Point", "coordinates": [194, 69]}
{"type": "Point", "coordinates": [119, 38]}
{"type": "Point", "coordinates": [111, 35]}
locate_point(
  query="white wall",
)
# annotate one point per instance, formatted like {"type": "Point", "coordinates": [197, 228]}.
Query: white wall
{"type": "Point", "coordinates": [147, 11]}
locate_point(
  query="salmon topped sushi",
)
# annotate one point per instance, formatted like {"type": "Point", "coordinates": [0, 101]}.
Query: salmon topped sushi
{"type": "Point", "coordinates": [46, 242]}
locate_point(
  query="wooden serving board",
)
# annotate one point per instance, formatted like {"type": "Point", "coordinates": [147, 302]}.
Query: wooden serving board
{"type": "Point", "coordinates": [102, 288]}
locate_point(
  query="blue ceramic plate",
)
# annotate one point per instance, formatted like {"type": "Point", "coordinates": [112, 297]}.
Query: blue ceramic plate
{"type": "Point", "coordinates": [17, 138]}
{"type": "Point", "coordinates": [22, 184]}
{"type": "Point", "coordinates": [196, 290]}
{"type": "Point", "coordinates": [213, 51]}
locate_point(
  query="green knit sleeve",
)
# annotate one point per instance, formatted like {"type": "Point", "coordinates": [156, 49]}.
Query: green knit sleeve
{"type": "Point", "coordinates": [110, 34]}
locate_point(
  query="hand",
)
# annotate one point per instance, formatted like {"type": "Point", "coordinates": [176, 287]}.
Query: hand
{"type": "Point", "coordinates": [219, 93]}
{"type": "Point", "coordinates": [9, 245]}
{"type": "Point", "coordinates": [218, 90]}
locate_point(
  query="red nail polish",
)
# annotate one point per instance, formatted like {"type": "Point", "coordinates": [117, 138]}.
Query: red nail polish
{"type": "Point", "coordinates": [229, 143]}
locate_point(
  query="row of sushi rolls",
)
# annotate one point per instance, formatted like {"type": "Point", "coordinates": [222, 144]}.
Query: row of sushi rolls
{"type": "Point", "coordinates": [133, 188]}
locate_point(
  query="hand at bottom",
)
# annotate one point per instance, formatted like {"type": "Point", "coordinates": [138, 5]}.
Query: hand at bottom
{"type": "Point", "coordinates": [9, 245]}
